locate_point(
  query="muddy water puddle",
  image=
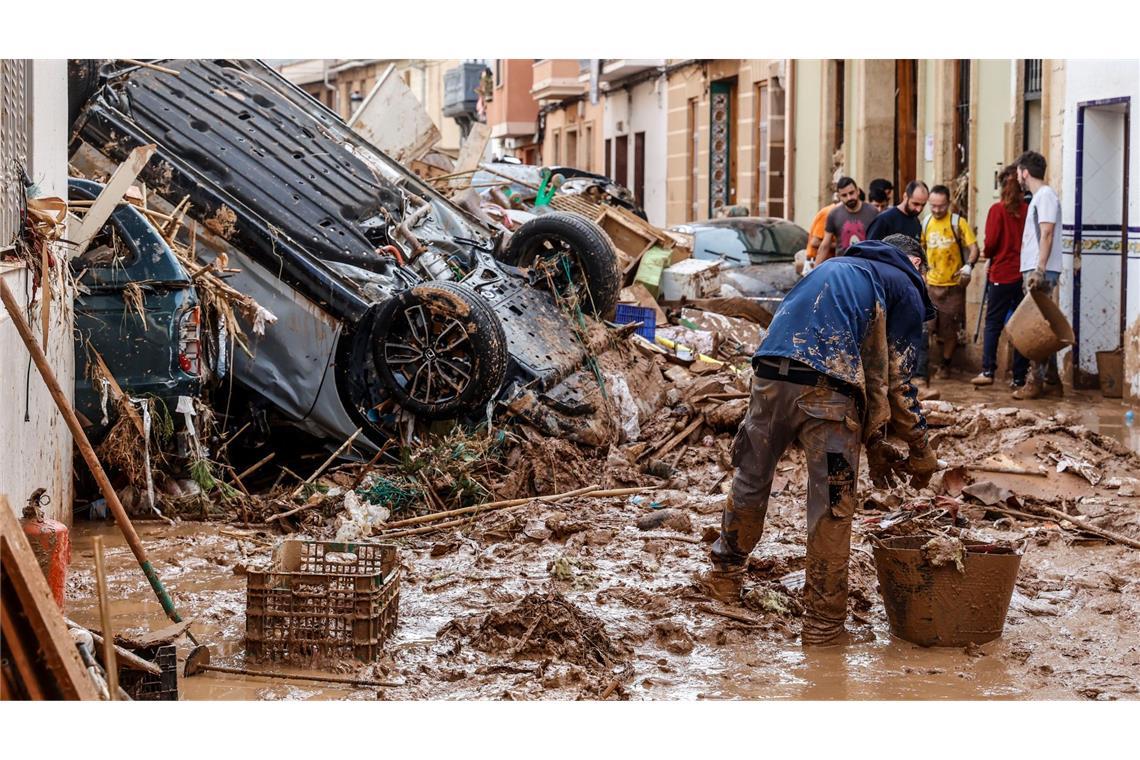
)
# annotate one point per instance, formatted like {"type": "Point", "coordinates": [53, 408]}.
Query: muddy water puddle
{"type": "Point", "coordinates": [1089, 408]}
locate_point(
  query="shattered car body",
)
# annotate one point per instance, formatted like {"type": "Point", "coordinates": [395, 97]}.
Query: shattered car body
{"type": "Point", "coordinates": [351, 251]}
{"type": "Point", "coordinates": [150, 342]}
{"type": "Point", "coordinates": [573, 181]}
{"type": "Point", "coordinates": [757, 254]}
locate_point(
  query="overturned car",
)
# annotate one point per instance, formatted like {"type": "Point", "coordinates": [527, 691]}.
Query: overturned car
{"type": "Point", "coordinates": [387, 295]}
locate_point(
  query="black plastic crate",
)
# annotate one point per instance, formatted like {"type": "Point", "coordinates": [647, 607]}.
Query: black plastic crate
{"type": "Point", "coordinates": [147, 687]}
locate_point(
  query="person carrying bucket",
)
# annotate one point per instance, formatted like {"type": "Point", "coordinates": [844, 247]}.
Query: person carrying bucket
{"type": "Point", "coordinates": [833, 373]}
{"type": "Point", "coordinates": [1040, 253]}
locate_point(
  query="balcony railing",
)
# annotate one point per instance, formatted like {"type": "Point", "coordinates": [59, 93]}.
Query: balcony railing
{"type": "Point", "coordinates": [556, 79]}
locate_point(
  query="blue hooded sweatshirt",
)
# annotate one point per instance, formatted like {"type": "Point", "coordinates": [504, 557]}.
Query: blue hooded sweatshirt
{"type": "Point", "coordinates": [824, 320]}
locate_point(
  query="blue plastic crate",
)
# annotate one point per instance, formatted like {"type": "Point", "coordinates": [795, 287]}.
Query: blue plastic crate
{"type": "Point", "coordinates": [648, 318]}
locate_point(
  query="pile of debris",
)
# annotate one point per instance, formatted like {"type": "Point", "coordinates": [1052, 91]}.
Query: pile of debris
{"type": "Point", "coordinates": [542, 626]}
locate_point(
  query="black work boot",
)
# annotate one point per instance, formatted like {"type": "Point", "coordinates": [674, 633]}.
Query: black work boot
{"type": "Point", "coordinates": [724, 585]}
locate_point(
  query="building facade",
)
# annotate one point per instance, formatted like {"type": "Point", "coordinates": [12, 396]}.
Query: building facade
{"type": "Point", "coordinates": [727, 138]}
{"type": "Point", "coordinates": [33, 136]}
{"type": "Point", "coordinates": [343, 84]}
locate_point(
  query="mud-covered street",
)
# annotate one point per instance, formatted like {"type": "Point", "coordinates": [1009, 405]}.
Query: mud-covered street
{"type": "Point", "coordinates": [573, 600]}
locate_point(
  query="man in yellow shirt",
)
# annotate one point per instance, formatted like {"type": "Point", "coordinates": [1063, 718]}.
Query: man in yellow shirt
{"type": "Point", "coordinates": [945, 237]}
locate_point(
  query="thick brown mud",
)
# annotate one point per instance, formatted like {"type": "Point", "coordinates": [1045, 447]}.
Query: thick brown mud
{"type": "Point", "coordinates": [574, 601]}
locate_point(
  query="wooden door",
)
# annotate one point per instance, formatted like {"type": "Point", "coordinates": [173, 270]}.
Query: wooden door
{"type": "Point", "coordinates": [906, 124]}
{"type": "Point", "coordinates": [621, 160]}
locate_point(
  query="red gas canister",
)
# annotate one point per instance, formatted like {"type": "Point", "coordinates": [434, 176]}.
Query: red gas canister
{"type": "Point", "coordinates": [51, 543]}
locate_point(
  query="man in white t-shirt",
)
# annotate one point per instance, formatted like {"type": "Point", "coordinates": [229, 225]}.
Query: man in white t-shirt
{"type": "Point", "coordinates": [1040, 251]}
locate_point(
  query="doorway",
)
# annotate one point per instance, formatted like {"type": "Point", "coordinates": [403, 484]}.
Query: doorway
{"type": "Point", "coordinates": [1100, 234]}
{"type": "Point", "coordinates": [722, 145]}
{"type": "Point", "coordinates": [906, 124]}
{"type": "Point", "coordinates": [621, 160]}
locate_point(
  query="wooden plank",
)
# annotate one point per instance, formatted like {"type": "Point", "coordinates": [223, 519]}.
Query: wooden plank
{"type": "Point", "coordinates": [108, 200]}
{"type": "Point", "coordinates": [31, 601]}
{"type": "Point", "coordinates": [118, 394]}
{"type": "Point", "coordinates": [16, 649]}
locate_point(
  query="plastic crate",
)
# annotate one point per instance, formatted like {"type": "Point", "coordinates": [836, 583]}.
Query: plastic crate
{"type": "Point", "coordinates": [648, 318]}
{"type": "Point", "coordinates": [147, 687]}
{"type": "Point", "coordinates": [322, 601]}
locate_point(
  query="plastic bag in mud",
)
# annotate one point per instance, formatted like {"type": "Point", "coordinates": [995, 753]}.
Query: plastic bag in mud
{"type": "Point", "coordinates": [619, 391]}
{"type": "Point", "coordinates": [359, 518]}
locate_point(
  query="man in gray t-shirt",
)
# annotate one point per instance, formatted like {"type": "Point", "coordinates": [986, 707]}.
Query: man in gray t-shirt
{"type": "Point", "coordinates": [1040, 254]}
{"type": "Point", "coordinates": [847, 223]}
{"type": "Point", "coordinates": [1041, 237]}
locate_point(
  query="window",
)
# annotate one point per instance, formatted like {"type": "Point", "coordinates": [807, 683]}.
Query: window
{"type": "Point", "coordinates": [1031, 106]}
{"type": "Point", "coordinates": [760, 149]}
{"type": "Point", "coordinates": [556, 136]}
{"type": "Point", "coordinates": [498, 72]}
{"type": "Point", "coordinates": [960, 200]}
{"type": "Point", "coordinates": [962, 119]}
{"type": "Point", "coordinates": [840, 101]}
{"type": "Point", "coordinates": [15, 141]}
{"type": "Point", "coordinates": [768, 149]}
{"type": "Point", "coordinates": [639, 167]}
{"type": "Point", "coordinates": [609, 160]}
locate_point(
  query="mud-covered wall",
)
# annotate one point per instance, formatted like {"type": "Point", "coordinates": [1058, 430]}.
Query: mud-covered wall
{"type": "Point", "coordinates": [1090, 82]}
{"type": "Point", "coordinates": [35, 441]}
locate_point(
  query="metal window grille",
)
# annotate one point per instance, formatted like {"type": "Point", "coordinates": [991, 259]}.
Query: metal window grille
{"type": "Point", "coordinates": [15, 141]}
{"type": "Point", "coordinates": [1032, 78]}
{"type": "Point", "coordinates": [962, 119]}
{"type": "Point", "coordinates": [1031, 104]}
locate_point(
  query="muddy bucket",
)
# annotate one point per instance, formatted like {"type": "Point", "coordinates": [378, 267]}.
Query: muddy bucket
{"type": "Point", "coordinates": [1038, 328]}
{"type": "Point", "coordinates": [1110, 370]}
{"type": "Point", "coordinates": [940, 606]}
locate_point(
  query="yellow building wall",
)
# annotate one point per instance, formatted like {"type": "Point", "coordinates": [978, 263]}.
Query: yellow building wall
{"type": "Point", "coordinates": [692, 82]}
{"type": "Point", "coordinates": [807, 191]}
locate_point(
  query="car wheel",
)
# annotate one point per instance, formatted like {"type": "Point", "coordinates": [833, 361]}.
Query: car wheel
{"type": "Point", "coordinates": [440, 349]}
{"type": "Point", "coordinates": [579, 255]}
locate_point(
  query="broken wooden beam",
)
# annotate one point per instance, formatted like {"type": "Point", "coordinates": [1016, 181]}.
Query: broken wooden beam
{"type": "Point", "coordinates": [113, 192]}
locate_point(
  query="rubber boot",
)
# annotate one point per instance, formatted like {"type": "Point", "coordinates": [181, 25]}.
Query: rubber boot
{"type": "Point", "coordinates": [722, 585]}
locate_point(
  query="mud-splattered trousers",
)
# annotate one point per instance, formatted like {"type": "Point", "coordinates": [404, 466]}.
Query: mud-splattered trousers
{"type": "Point", "coordinates": [825, 423]}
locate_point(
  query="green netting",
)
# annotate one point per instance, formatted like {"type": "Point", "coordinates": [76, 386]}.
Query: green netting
{"type": "Point", "coordinates": [390, 494]}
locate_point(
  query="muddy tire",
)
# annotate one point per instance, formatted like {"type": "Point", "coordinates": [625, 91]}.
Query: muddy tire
{"type": "Point", "coordinates": [586, 250]}
{"type": "Point", "coordinates": [440, 349]}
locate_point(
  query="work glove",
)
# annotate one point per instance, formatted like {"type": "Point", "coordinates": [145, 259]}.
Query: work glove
{"type": "Point", "coordinates": [921, 464]}
{"type": "Point", "coordinates": [964, 274]}
{"type": "Point", "coordinates": [1036, 280]}
{"type": "Point", "coordinates": [882, 462]}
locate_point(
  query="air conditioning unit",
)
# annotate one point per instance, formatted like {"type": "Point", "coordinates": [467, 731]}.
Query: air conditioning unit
{"type": "Point", "coordinates": [460, 85]}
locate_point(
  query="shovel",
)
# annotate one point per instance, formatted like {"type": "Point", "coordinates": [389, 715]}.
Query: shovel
{"type": "Point", "coordinates": [199, 662]}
